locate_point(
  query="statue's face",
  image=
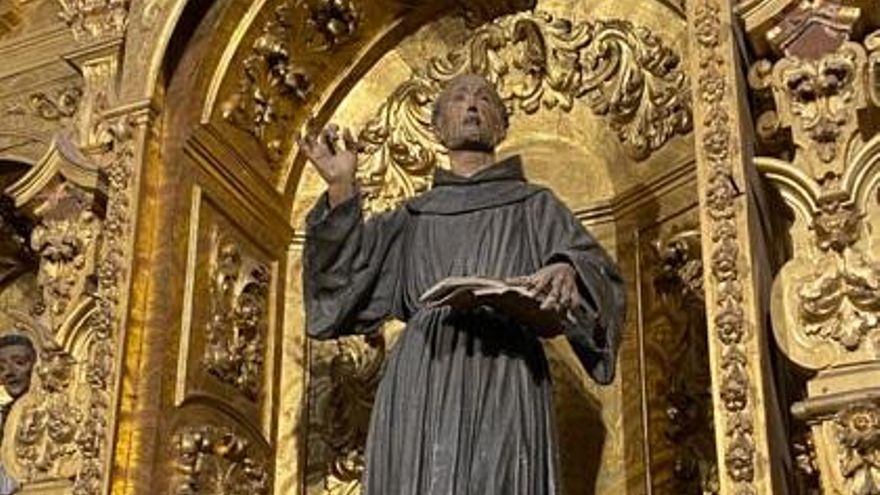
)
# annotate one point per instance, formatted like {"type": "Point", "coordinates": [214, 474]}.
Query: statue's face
{"type": "Point", "coordinates": [470, 115]}
{"type": "Point", "coordinates": [16, 363]}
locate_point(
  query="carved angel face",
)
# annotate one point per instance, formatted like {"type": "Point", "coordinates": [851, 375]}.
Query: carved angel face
{"type": "Point", "coordinates": [470, 115]}
{"type": "Point", "coordinates": [16, 364]}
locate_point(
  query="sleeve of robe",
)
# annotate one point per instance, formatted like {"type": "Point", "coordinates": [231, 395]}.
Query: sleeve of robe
{"type": "Point", "coordinates": [349, 269]}
{"type": "Point", "coordinates": [596, 335]}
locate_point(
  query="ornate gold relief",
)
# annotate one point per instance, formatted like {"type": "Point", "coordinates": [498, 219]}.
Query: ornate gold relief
{"type": "Point", "coordinates": [66, 243]}
{"type": "Point", "coordinates": [819, 99]}
{"type": "Point", "coordinates": [217, 460]}
{"type": "Point", "coordinates": [858, 438]}
{"type": "Point", "coordinates": [237, 325]}
{"type": "Point", "coordinates": [53, 105]}
{"type": "Point", "coordinates": [344, 397]}
{"type": "Point", "coordinates": [334, 21]}
{"type": "Point", "coordinates": [625, 73]}
{"type": "Point", "coordinates": [95, 18]}
{"type": "Point", "coordinates": [733, 346]}
{"type": "Point", "coordinates": [46, 443]}
{"type": "Point", "coordinates": [684, 383]}
{"type": "Point", "coordinates": [271, 85]}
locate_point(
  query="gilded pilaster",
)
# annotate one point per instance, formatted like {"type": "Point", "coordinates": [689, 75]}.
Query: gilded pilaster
{"type": "Point", "coordinates": [737, 341]}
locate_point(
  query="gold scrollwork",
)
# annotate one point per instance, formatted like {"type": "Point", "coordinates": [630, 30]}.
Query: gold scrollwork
{"type": "Point", "coordinates": [625, 73]}
{"type": "Point", "coordinates": [212, 460]}
{"type": "Point", "coordinates": [235, 331]}
{"type": "Point", "coordinates": [65, 242]}
{"type": "Point", "coordinates": [270, 85]}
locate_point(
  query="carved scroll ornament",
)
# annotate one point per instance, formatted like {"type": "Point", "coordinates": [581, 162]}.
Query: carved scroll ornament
{"type": "Point", "coordinates": [624, 73]}
{"type": "Point", "coordinates": [217, 460]}
{"type": "Point", "coordinates": [236, 329]}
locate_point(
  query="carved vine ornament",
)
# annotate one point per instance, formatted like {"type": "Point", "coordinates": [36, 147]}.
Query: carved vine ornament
{"type": "Point", "coordinates": [736, 389]}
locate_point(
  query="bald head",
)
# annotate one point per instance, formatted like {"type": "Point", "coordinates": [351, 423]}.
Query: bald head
{"type": "Point", "coordinates": [470, 115]}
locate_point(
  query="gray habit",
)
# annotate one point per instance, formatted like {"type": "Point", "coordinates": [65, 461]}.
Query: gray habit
{"type": "Point", "coordinates": [464, 405]}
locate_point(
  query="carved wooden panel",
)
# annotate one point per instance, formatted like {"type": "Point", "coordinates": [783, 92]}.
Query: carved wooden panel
{"type": "Point", "coordinates": [227, 336]}
{"type": "Point", "coordinates": [674, 359]}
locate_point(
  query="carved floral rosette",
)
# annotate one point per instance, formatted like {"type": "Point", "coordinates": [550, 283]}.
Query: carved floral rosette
{"type": "Point", "coordinates": [624, 73]}
{"type": "Point", "coordinates": [735, 390]}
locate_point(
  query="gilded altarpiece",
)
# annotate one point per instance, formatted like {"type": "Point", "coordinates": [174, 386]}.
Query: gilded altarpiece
{"type": "Point", "coordinates": [153, 143]}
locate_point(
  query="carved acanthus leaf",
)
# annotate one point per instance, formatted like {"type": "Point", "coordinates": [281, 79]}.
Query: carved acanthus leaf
{"type": "Point", "coordinates": [623, 72]}
{"type": "Point", "coordinates": [840, 300]}
{"type": "Point", "coordinates": [236, 329]}
{"type": "Point", "coordinates": [270, 86]}
{"type": "Point", "coordinates": [65, 242]}
{"type": "Point", "coordinates": [217, 460]}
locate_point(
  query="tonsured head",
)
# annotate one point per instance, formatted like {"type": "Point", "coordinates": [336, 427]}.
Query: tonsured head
{"type": "Point", "coordinates": [17, 358]}
{"type": "Point", "coordinates": [470, 115]}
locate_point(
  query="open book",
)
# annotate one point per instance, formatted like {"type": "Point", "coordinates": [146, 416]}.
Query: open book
{"type": "Point", "coordinates": [516, 301]}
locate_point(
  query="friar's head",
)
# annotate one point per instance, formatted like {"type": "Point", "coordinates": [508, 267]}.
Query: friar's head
{"type": "Point", "coordinates": [470, 115]}
{"type": "Point", "coordinates": [17, 358]}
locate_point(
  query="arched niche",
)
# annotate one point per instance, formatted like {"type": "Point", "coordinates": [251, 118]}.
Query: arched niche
{"type": "Point", "coordinates": [227, 164]}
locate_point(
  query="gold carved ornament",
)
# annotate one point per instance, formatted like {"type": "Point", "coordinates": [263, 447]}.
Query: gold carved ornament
{"type": "Point", "coordinates": [626, 75]}
{"type": "Point", "coordinates": [236, 329]}
{"type": "Point", "coordinates": [91, 19]}
{"type": "Point", "coordinates": [735, 389]}
{"type": "Point", "coordinates": [678, 283]}
{"type": "Point", "coordinates": [213, 459]}
{"type": "Point", "coordinates": [344, 395]}
{"type": "Point", "coordinates": [827, 298]}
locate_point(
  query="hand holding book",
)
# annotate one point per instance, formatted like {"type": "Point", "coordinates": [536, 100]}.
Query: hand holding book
{"type": "Point", "coordinates": [547, 300]}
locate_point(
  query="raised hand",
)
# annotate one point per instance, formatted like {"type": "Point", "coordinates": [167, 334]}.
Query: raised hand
{"type": "Point", "coordinates": [555, 286]}
{"type": "Point", "coordinates": [335, 164]}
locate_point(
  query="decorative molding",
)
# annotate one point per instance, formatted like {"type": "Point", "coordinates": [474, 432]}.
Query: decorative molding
{"type": "Point", "coordinates": [217, 460]}
{"type": "Point", "coordinates": [738, 419]}
{"type": "Point", "coordinates": [625, 73]}
{"type": "Point", "coordinates": [116, 137]}
{"type": "Point", "coordinates": [237, 325]}
{"type": "Point", "coordinates": [270, 86]}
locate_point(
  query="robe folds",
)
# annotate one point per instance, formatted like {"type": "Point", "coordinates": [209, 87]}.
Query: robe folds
{"type": "Point", "coordinates": [464, 405]}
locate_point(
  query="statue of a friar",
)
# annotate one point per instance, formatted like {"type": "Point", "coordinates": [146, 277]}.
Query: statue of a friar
{"type": "Point", "coordinates": [464, 405]}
